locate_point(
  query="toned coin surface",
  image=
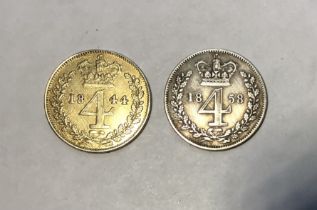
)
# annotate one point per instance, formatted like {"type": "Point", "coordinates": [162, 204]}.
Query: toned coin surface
{"type": "Point", "coordinates": [97, 101]}
{"type": "Point", "coordinates": [215, 99]}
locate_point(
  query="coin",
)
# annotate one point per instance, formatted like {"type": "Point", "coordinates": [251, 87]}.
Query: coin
{"type": "Point", "coordinates": [97, 101]}
{"type": "Point", "coordinates": [215, 99]}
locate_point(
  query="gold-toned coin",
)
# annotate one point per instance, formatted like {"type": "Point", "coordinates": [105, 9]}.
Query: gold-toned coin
{"type": "Point", "coordinates": [215, 99]}
{"type": "Point", "coordinates": [97, 101]}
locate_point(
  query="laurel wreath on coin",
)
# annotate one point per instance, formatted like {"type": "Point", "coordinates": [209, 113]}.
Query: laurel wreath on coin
{"type": "Point", "coordinates": [82, 138]}
{"type": "Point", "coordinates": [201, 134]}
{"type": "Point", "coordinates": [56, 101]}
{"type": "Point", "coordinates": [136, 108]}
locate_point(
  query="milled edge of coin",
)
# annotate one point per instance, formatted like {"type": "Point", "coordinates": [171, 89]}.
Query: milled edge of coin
{"type": "Point", "coordinates": [259, 122]}
{"type": "Point", "coordinates": [142, 124]}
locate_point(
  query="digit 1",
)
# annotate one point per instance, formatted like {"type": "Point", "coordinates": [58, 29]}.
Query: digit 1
{"type": "Point", "coordinates": [71, 98]}
{"type": "Point", "coordinates": [190, 97]}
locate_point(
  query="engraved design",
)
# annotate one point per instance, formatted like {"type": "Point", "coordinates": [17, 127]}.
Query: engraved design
{"type": "Point", "coordinates": [201, 134]}
{"type": "Point", "coordinates": [82, 138]}
{"type": "Point", "coordinates": [57, 103]}
{"type": "Point", "coordinates": [215, 74]}
{"type": "Point", "coordinates": [136, 108]}
{"type": "Point", "coordinates": [100, 73]}
{"type": "Point", "coordinates": [251, 112]}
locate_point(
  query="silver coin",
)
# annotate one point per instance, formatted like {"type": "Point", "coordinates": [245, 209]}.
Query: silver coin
{"type": "Point", "coordinates": [215, 99]}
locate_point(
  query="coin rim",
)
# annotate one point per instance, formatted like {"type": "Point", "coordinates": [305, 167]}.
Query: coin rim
{"type": "Point", "coordinates": [144, 121]}
{"type": "Point", "coordinates": [264, 106]}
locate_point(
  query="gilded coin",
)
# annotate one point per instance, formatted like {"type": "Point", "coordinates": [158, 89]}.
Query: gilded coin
{"type": "Point", "coordinates": [215, 99]}
{"type": "Point", "coordinates": [97, 101]}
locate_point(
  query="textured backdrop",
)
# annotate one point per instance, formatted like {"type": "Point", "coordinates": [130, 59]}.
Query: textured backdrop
{"type": "Point", "coordinates": [276, 169]}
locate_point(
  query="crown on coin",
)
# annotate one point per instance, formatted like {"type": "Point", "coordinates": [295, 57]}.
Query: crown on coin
{"type": "Point", "coordinates": [215, 73]}
{"type": "Point", "coordinates": [99, 73]}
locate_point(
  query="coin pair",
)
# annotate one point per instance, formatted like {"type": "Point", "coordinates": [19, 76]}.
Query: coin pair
{"type": "Point", "coordinates": [99, 101]}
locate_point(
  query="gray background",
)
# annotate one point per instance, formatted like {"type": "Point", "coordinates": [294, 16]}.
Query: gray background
{"type": "Point", "coordinates": [276, 169]}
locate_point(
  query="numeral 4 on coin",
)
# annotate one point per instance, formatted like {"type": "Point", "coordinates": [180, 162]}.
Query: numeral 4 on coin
{"type": "Point", "coordinates": [113, 99]}
{"type": "Point", "coordinates": [217, 111]}
{"type": "Point", "coordinates": [216, 95]}
{"type": "Point", "coordinates": [96, 107]}
{"type": "Point", "coordinates": [97, 103]}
